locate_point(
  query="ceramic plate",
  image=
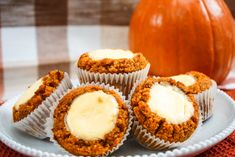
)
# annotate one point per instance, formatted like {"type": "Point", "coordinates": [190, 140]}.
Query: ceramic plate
{"type": "Point", "coordinates": [213, 131]}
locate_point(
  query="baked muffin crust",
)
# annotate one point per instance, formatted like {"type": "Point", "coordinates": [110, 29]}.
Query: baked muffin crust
{"type": "Point", "coordinates": [202, 82]}
{"type": "Point", "coordinates": [50, 83]}
{"type": "Point", "coordinates": [152, 122]}
{"type": "Point", "coordinates": [78, 146]}
{"type": "Point", "coordinates": [107, 65]}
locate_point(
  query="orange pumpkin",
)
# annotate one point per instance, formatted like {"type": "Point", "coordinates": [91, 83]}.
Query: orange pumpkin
{"type": "Point", "coordinates": [177, 36]}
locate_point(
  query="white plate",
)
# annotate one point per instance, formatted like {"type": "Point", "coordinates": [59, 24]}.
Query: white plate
{"type": "Point", "coordinates": [213, 131]}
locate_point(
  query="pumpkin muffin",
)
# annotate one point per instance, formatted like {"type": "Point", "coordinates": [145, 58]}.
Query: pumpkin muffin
{"type": "Point", "coordinates": [34, 103]}
{"type": "Point", "coordinates": [117, 67]}
{"type": "Point", "coordinates": [164, 114]}
{"type": "Point", "coordinates": [202, 87]}
{"type": "Point", "coordinates": [90, 121]}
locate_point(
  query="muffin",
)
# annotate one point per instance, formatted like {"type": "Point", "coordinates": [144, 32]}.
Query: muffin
{"type": "Point", "coordinates": [165, 116]}
{"type": "Point", "coordinates": [119, 68]}
{"type": "Point", "coordinates": [92, 120]}
{"type": "Point", "coordinates": [32, 107]}
{"type": "Point", "coordinates": [202, 87]}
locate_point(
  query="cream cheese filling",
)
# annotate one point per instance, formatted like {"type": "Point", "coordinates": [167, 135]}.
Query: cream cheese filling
{"type": "Point", "coordinates": [111, 54]}
{"type": "Point", "coordinates": [29, 93]}
{"type": "Point", "coordinates": [187, 80]}
{"type": "Point", "coordinates": [171, 103]}
{"type": "Point", "coordinates": [92, 115]}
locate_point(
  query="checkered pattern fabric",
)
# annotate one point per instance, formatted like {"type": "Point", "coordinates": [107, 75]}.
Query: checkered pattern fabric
{"type": "Point", "coordinates": [38, 35]}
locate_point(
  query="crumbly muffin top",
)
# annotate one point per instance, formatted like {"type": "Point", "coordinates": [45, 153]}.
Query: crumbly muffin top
{"type": "Point", "coordinates": [35, 95]}
{"type": "Point", "coordinates": [154, 111]}
{"type": "Point", "coordinates": [195, 82]}
{"type": "Point", "coordinates": [89, 147]}
{"type": "Point", "coordinates": [112, 61]}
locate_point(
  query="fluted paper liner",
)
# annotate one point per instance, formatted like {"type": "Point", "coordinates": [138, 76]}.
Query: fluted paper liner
{"type": "Point", "coordinates": [149, 141]}
{"type": "Point", "coordinates": [123, 81]}
{"type": "Point", "coordinates": [34, 123]}
{"type": "Point", "coordinates": [50, 120]}
{"type": "Point", "coordinates": [205, 100]}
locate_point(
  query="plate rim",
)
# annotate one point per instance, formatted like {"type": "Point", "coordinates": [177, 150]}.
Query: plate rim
{"type": "Point", "coordinates": [206, 144]}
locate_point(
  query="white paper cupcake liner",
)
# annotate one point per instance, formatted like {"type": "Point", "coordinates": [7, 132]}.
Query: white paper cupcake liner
{"type": "Point", "coordinates": [149, 141]}
{"type": "Point", "coordinates": [34, 123]}
{"type": "Point", "coordinates": [50, 120]}
{"type": "Point", "coordinates": [123, 81]}
{"type": "Point", "coordinates": [205, 100]}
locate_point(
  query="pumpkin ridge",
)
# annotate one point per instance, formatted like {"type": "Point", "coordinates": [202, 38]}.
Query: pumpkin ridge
{"type": "Point", "coordinates": [178, 52]}
{"type": "Point", "coordinates": [212, 34]}
{"type": "Point", "coordinates": [221, 71]}
{"type": "Point", "coordinates": [226, 11]}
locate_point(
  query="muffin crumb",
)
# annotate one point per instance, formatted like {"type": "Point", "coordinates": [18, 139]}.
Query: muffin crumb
{"type": "Point", "coordinates": [78, 146]}
{"type": "Point", "coordinates": [50, 83]}
{"type": "Point", "coordinates": [138, 62]}
{"type": "Point", "coordinates": [156, 125]}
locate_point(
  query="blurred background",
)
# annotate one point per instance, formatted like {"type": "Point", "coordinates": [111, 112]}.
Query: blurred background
{"type": "Point", "coordinates": [38, 35]}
